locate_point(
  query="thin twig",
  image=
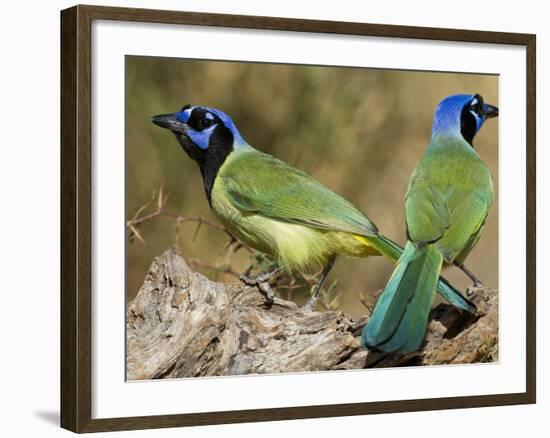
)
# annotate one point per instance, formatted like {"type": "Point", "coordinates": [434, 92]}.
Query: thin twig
{"type": "Point", "coordinates": [367, 303]}
{"type": "Point", "coordinates": [258, 261]}
{"type": "Point", "coordinates": [159, 200]}
{"type": "Point", "coordinates": [177, 217]}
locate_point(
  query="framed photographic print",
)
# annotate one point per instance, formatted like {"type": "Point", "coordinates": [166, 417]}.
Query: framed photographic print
{"type": "Point", "coordinates": [268, 218]}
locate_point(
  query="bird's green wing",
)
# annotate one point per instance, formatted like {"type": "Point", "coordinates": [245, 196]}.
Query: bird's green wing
{"type": "Point", "coordinates": [450, 220]}
{"type": "Point", "coordinates": [258, 183]}
{"type": "Point", "coordinates": [448, 205]}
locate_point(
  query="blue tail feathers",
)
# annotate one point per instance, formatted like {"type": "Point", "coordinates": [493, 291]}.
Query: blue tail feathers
{"type": "Point", "coordinates": [399, 320]}
{"type": "Point", "coordinates": [444, 288]}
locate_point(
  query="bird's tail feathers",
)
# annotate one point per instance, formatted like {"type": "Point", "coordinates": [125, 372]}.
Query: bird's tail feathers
{"type": "Point", "coordinates": [393, 251]}
{"type": "Point", "coordinates": [386, 247]}
{"type": "Point", "coordinates": [454, 297]}
{"type": "Point", "coordinates": [400, 317]}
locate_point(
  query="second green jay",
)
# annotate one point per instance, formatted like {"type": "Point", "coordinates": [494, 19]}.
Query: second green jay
{"type": "Point", "coordinates": [446, 206]}
{"type": "Point", "coordinates": [274, 207]}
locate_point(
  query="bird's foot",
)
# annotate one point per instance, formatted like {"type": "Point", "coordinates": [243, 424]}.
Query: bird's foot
{"type": "Point", "coordinates": [265, 288]}
{"type": "Point", "coordinates": [261, 281]}
{"type": "Point", "coordinates": [309, 306]}
{"type": "Point", "coordinates": [477, 282]}
{"type": "Point", "coordinates": [264, 277]}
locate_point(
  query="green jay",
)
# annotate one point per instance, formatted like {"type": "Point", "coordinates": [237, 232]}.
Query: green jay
{"type": "Point", "coordinates": [274, 207]}
{"type": "Point", "coordinates": [446, 206]}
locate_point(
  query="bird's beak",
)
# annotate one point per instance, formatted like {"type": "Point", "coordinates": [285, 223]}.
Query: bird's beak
{"type": "Point", "coordinates": [170, 121]}
{"type": "Point", "coordinates": [490, 111]}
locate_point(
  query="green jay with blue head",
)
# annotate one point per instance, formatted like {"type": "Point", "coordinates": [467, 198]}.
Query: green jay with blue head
{"type": "Point", "coordinates": [446, 206]}
{"type": "Point", "coordinates": [273, 207]}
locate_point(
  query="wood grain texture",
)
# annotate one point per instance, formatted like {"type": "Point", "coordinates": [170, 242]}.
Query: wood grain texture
{"type": "Point", "coordinates": [531, 220]}
{"type": "Point", "coordinates": [183, 325]}
{"type": "Point", "coordinates": [300, 25]}
{"type": "Point", "coordinates": [69, 310]}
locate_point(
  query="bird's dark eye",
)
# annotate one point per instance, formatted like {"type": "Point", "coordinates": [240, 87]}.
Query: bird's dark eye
{"type": "Point", "coordinates": [206, 123]}
{"type": "Point", "coordinates": [476, 108]}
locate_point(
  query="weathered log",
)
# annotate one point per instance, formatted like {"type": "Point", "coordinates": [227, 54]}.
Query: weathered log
{"type": "Point", "coordinates": [183, 325]}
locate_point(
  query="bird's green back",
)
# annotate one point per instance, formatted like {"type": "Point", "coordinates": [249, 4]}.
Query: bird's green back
{"type": "Point", "coordinates": [258, 183]}
{"type": "Point", "coordinates": [448, 198]}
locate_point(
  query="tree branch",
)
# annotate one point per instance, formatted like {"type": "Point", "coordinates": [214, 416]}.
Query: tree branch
{"type": "Point", "coordinates": [183, 325]}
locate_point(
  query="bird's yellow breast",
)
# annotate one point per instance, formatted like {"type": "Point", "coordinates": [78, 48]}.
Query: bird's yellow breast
{"type": "Point", "coordinates": [294, 246]}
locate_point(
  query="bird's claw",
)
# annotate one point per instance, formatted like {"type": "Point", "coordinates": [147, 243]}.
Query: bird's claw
{"type": "Point", "coordinates": [265, 288]}
{"type": "Point", "coordinates": [309, 306]}
{"type": "Point", "coordinates": [260, 278]}
{"type": "Point", "coordinates": [477, 282]}
{"type": "Point", "coordinates": [261, 281]}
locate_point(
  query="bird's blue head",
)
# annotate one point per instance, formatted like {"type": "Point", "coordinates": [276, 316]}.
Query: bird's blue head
{"type": "Point", "coordinates": [208, 135]}
{"type": "Point", "coordinates": [201, 127]}
{"type": "Point", "coordinates": [461, 115]}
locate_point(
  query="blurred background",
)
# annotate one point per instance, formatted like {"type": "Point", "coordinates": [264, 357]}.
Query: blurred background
{"type": "Point", "coordinates": [358, 131]}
